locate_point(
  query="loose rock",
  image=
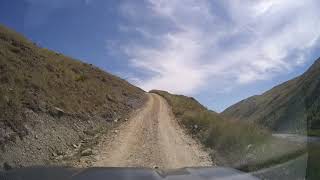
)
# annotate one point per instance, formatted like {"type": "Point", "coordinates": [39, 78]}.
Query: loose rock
{"type": "Point", "coordinates": [87, 152]}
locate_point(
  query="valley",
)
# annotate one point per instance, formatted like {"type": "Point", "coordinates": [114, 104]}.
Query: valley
{"type": "Point", "coordinates": [59, 111]}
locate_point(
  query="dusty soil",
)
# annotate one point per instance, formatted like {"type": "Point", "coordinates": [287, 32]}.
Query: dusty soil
{"type": "Point", "coordinates": [150, 138]}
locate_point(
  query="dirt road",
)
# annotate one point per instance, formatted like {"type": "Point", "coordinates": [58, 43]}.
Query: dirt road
{"type": "Point", "coordinates": [151, 137]}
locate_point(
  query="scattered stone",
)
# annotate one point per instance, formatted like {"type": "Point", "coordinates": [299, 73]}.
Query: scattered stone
{"type": "Point", "coordinates": [87, 152]}
{"type": "Point", "coordinates": [109, 98]}
{"type": "Point", "coordinates": [115, 120]}
{"type": "Point", "coordinates": [107, 115]}
{"type": "Point", "coordinates": [74, 145]}
{"type": "Point", "coordinates": [42, 106]}
{"type": "Point", "coordinates": [126, 119]}
{"type": "Point", "coordinates": [116, 131]}
{"type": "Point", "coordinates": [195, 126]}
{"type": "Point", "coordinates": [60, 157]}
{"type": "Point", "coordinates": [36, 137]}
{"type": "Point", "coordinates": [57, 112]}
{"type": "Point", "coordinates": [59, 152]}
{"type": "Point", "coordinates": [95, 159]}
{"type": "Point", "coordinates": [54, 154]}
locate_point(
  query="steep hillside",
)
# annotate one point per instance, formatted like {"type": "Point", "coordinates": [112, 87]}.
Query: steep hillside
{"type": "Point", "coordinates": [238, 144]}
{"type": "Point", "coordinates": [228, 140]}
{"type": "Point", "coordinates": [50, 102]}
{"type": "Point", "coordinates": [287, 107]}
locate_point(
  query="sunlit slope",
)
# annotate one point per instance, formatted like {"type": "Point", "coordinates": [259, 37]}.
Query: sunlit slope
{"type": "Point", "coordinates": [286, 107]}
{"type": "Point", "coordinates": [48, 100]}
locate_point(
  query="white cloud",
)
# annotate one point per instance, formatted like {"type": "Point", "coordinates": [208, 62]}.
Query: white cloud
{"type": "Point", "coordinates": [189, 44]}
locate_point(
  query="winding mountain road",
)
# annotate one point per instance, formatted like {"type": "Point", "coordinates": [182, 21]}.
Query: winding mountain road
{"type": "Point", "coordinates": [151, 138]}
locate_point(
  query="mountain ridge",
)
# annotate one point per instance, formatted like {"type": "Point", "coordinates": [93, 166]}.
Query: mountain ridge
{"type": "Point", "coordinates": [282, 108]}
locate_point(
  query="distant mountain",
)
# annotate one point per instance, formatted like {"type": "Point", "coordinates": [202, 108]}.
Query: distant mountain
{"type": "Point", "coordinates": [49, 101]}
{"type": "Point", "coordinates": [287, 107]}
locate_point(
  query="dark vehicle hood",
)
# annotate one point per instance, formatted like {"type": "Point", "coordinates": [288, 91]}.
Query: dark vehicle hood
{"type": "Point", "coordinates": [63, 173]}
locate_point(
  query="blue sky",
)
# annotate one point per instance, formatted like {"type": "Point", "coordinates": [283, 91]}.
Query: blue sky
{"type": "Point", "coordinates": [217, 51]}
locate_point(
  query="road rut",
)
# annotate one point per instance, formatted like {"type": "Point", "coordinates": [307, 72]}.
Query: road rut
{"type": "Point", "coordinates": [151, 138]}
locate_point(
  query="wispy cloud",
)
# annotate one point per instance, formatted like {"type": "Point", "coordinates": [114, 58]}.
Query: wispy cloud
{"type": "Point", "coordinates": [189, 44]}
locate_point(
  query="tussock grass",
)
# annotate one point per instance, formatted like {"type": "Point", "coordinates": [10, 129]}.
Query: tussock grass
{"type": "Point", "coordinates": [225, 136]}
{"type": "Point", "coordinates": [237, 144]}
{"type": "Point", "coordinates": [232, 139]}
{"type": "Point", "coordinates": [41, 80]}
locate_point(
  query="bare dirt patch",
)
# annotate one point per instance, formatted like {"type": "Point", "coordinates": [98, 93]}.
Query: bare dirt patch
{"type": "Point", "coordinates": [150, 138]}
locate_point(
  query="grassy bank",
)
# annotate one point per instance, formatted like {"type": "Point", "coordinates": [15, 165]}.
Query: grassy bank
{"type": "Point", "coordinates": [233, 143]}
{"type": "Point", "coordinates": [231, 139]}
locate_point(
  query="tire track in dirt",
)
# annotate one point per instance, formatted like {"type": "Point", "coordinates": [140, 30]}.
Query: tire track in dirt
{"type": "Point", "coordinates": [151, 137]}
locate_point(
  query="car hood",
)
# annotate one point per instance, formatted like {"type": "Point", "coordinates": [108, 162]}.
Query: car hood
{"type": "Point", "coordinates": [100, 173]}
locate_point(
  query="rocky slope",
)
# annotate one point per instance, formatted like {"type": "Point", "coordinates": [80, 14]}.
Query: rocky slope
{"type": "Point", "coordinates": [287, 107]}
{"type": "Point", "coordinates": [50, 103]}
